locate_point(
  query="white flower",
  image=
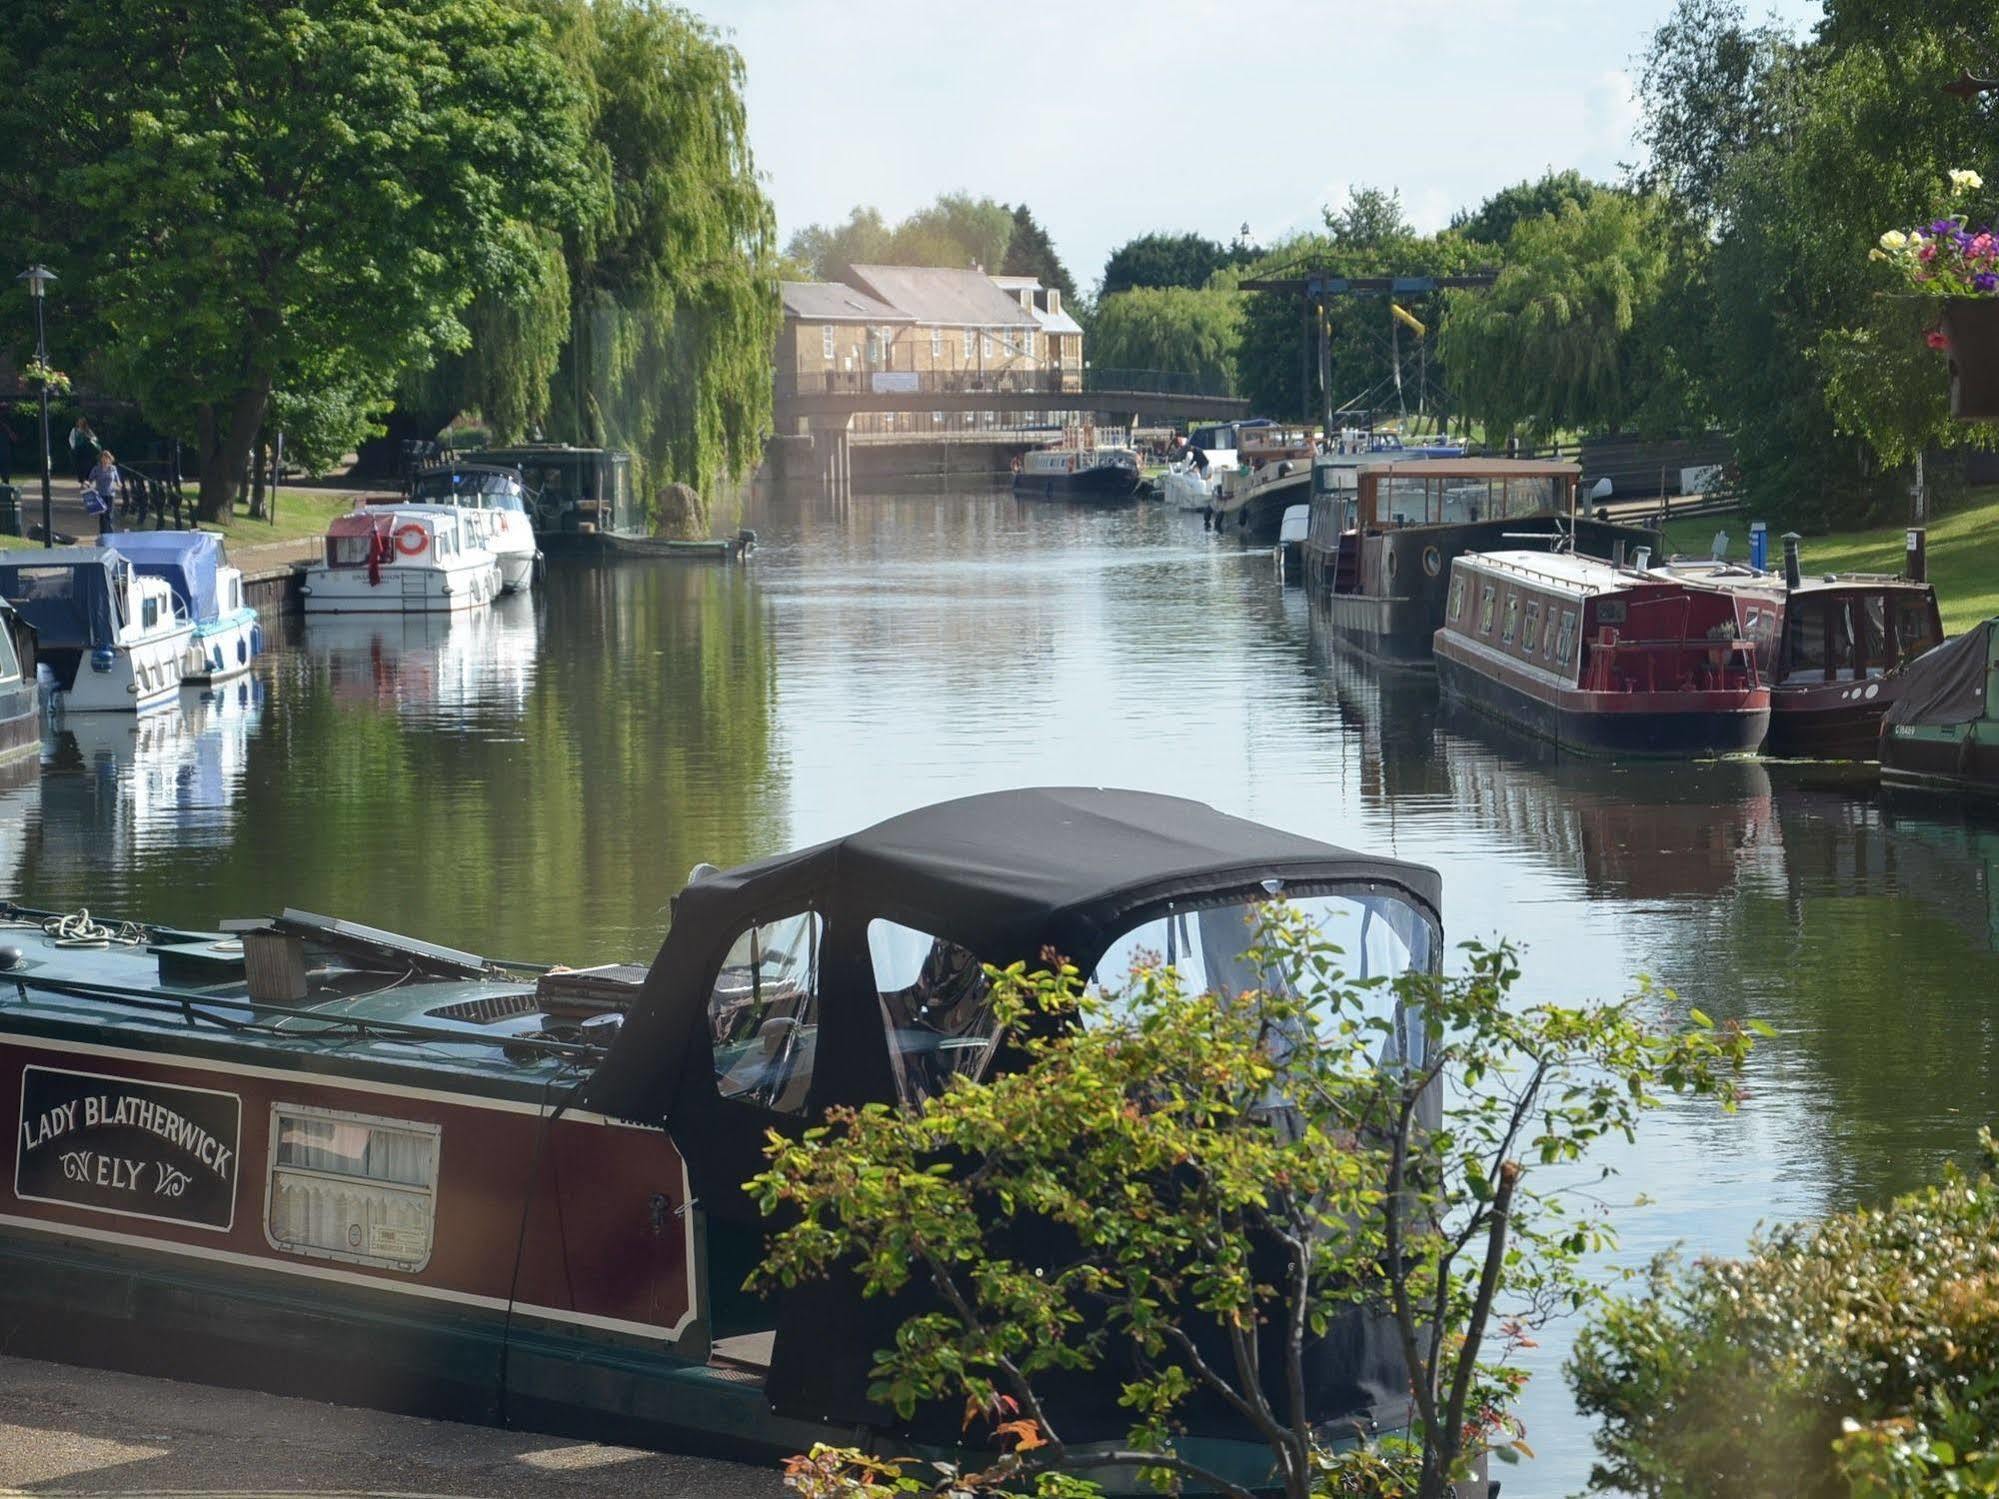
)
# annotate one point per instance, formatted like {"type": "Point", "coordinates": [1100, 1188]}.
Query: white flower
{"type": "Point", "coordinates": [1894, 239]}
{"type": "Point", "coordinates": [1963, 181]}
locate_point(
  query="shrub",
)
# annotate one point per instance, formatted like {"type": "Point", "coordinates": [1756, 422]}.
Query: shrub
{"type": "Point", "coordinates": [1853, 1357]}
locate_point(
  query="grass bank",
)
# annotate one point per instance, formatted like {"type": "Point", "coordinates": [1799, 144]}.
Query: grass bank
{"type": "Point", "coordinates": [300, 512]}
{"type": "Point", "coordinates": [1963, 550]}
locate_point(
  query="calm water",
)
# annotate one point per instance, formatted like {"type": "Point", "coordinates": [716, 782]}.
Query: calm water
{"type": "Point", "coordinates": [536, 783]}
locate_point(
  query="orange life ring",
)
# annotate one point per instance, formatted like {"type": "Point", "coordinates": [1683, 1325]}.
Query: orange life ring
{"type": "Point", "coordinates": [411, 539]}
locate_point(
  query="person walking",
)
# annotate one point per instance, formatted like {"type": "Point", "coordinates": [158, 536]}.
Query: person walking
{"type": "Point", "coordinates": [100, 492]}
{"type": "Point", "coordinates": [83, 448]}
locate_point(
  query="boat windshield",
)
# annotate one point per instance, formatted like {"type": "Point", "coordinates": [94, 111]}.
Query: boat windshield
{"type": "Point", "coordinates": [489, 491]}
{"type": "Point", "coordinates": [1379, 936]}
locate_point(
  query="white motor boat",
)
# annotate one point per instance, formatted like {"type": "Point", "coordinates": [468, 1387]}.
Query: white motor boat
{"type": "Point", "coordinates": [406, 560]}
{"type": "Point", "coordinates": [106, 639]}
{"type": "Point", "coordinates": [494, 500]}
{"type": "Point", "coordinates": [1194, 482]}
{"type": "Point", "coordinates": [227, 635]}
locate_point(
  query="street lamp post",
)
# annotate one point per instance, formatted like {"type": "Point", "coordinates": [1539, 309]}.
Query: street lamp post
{"type": "Point", "coordinates": [38, 277]}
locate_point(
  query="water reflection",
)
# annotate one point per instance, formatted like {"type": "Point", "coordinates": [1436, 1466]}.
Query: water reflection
{"type": "Point", "coordinates": [470, 667]}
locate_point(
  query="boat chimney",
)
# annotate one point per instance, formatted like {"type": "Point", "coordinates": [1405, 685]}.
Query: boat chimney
{"type": "Point", "coordinates": [1617, 552]}
{"type": "Point", "coordinates": [1793, 574]}
{"type": "Point", "coordinates": [1642, 559]}
{"type": "Point", "coordinates": [1916, 559]}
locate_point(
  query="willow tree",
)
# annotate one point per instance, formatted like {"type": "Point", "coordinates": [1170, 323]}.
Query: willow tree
{"type": "Point", "coordinates": [1169, 328]}
{"type": "Point", "coordinates": [673, 310]}
{"type": "Point", "coordinates": [1558, 342]}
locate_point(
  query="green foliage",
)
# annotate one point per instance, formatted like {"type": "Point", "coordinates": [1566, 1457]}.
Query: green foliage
{"type": "Point", "coordinates": [1556, 343]}
{"type": "Point", "coordinates": [1030, 252]}
{"type": "Point", "coordinates": [957, 230]}
{"type": "Point", "coordinates": [1159, 260]}
{"type": "Point", "coordinates": [281, 195]}
{"type": "Point", "coordinates": [1857, 1357]}
{"type": "Point", "coordinates": [1208, 1171]}
{"type": "Point", "coordinates": [1493, 220]}
{"type": "Point", "coordinates": [1169, 328]}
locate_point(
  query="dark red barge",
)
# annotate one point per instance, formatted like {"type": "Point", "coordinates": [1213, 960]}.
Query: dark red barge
{"type": "Point", "coordinates": [312, 1157]}
{"type": "Point", "coordinates": [1602, 659]}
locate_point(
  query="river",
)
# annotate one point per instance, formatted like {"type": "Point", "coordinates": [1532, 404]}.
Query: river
{"type": "Point", "coordinates": [537, 782]}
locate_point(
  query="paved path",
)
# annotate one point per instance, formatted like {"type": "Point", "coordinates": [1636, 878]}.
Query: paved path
{"type": "Point", "coordinates": [82, 1431]}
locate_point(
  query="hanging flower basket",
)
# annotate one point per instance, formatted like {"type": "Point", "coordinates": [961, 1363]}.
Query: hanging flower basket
{"type": "Point", "coordinates": [1971, 336]}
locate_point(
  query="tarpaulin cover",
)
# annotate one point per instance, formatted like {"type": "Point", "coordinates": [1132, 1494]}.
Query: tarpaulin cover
{"type": "Point", "coordinates": [187, 560]}
{"type": "Point", "coordinates": [66, 594]}
{"type": "Point", "coordinates": [1947, 685]}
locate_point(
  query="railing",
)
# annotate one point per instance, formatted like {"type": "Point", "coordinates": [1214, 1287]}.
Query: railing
{"type": "Point", "coordinates": [794, 384]}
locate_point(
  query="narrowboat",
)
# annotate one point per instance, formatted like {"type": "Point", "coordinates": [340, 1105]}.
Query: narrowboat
{"type": "Point", "coordinates": [426, 560]}
{"type": "Point", "coordinates": [1273, 471]}
{"type": "Point", "coordinates": [1942, 732]}
{"type": "Point", "coordinates": [309, 1156]}
{"type": "Point", "coordinates": [227, 636]}
{"type": "Point", "coordinates": [1384, 534]}
{"type": "Point", "coordinates": [1832, 648]}
{"type": "Point", "coordinates": [20, 694]}
{"type": "Point", "coordinates": [1083, 466]}
{"type": "Point", "coordinates": [493, 502]}
{"type": "Point", "coordinates": [107, 639]}
{"type": "Point", "coordinates": [1601, 659]}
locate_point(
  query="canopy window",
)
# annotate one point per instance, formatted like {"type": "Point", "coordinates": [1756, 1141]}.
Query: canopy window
{"type": "Point", "coordinates": [763, 1014]}
{"type": "Point", "coordinates": [1851, 634]}
{"type": "Point", "coordinates": [937, 1008]}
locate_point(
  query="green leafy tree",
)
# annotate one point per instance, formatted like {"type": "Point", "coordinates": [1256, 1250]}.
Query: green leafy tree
{"type": "Point", "coordinates": [313, 191]}
{"type": "Point", "coordinates": [1169, 328]}
{"type": "Point", "coordinates": [1185, 260]}
{"type": "Point", "coordinates": [1492, 222]}
{"type": "Point", "coordinates": [1856, 1358]}
{"type": "Point", "coordinates": [1226, 1194]}
{"type": "Point", "coordinates": [1556, 343]}
{"type": "Point", "coordinates": [957, 230]}
{"type": "Point", "coordinates": [1030, 252]}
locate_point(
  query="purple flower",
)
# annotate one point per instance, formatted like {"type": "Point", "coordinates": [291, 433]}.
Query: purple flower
{"type": "Point", "coordinates": [1985, 281]}
{"type": "Point", "coordinates": [1944, 226]}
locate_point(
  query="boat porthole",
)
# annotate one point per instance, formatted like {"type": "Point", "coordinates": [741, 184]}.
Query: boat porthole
{"type": "Point", "coordinates": [1390, 563]}
{"type": "Point", "coordinates": [1873, 690]}
{"type": "Point", "coordinates": [1433, 561]}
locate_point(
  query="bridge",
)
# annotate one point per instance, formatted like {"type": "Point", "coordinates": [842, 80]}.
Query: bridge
{"type": "Point", "coordinates": [1150, 395]}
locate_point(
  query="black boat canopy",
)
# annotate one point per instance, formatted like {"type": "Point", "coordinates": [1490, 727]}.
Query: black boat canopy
{"type": "Point", "coordinates": [1003, 875]}
{"type": "Point", "coordinates": [1947, 685]}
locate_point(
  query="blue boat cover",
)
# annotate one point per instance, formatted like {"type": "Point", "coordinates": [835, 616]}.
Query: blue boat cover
{"type": "Point", "coordinates": [66, 594]}
{"type": "Point", "coordinates": [186, 559]}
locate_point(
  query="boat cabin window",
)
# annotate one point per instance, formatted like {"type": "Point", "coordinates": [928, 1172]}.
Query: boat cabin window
{"type": "Point", "coordinates": [149, 612]}
{"type": "Point", "coordinates": [10, 662]}
{"type": "Point", "coordinates": [1565, 638]}
{"type": "Point", "coordinates": [1512, 627]}
{"type": "Point", "coordinates": [763, 1014]}
{"type": "Point", "coordinates": [352, 1187]}
{"type": "Point", "coordinates": [1530, 638]}
{"type": "Point", "coordinates": [1915, 631]}
{"type": "Point", "coordinates": [1485, 609]}
{"type": "Point", "coordinates": [1379, 936]}
{"type": "Point", "coordinates": [937, 1008]}
{"type": "Point", "coordinates": [349, 551]}
{"type": "Point", "coordinates": [235, 593]}
{"type": "Point", "coordinates": [1457, 597]}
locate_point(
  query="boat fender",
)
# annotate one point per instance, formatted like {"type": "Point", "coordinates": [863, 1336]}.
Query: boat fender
{"type": "Point", "coordinates": [256, 640]}
{"type": "Point", "coordinates": [242, 650]}
{"type": "Point", "coordinates": [410, 540]}
{"type": "Point", "coordinates": [102, 658]}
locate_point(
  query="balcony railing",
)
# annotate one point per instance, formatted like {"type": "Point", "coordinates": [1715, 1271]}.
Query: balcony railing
{"type": "Point", "coordinates": [792, 385]}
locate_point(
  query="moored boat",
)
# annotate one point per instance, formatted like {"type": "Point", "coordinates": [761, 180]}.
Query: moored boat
{"type": "Point", "coordinates": [227, 636]}
{"type": "Point", "coordinates": [1601, 659]}
{"type": "Point", "coordinates": [107, 639]}
{"type": "Point", "coordinates": [1942, 732]}
{"type": "Point", "coordinates": [1273, 471]}
{"type": "Point", "coordinates": [1832, 648]}
{"type": "Point", "coordinates": [401, 561]}
{"type": "Point", "coordinates": [1087, 464]}
{"type": "Point", "coordinates": [20, 696]}
{"type": "Point", "coordinates": [311, 1156]}
{"type": "Point", "coordinates": [1190, 482]}
{"type": "Point", "coordinates": [493, 502]}
{"type": "Point", "coordinates": [1385, 532]}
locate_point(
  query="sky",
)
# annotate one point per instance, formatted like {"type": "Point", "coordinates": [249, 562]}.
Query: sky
{"type": "Point", "coordinates": [1111, 120]}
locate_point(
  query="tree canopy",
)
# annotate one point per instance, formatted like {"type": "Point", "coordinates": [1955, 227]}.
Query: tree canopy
{"type": "Point", "coordinates": [1187, 260]}
{"type": "Point", "coordinates": [956, 230]}
{"type": "Point", "coordinates": [1493, 220]}
{"type": "Point", "coordinates": [1169, 328]}
{"type": "Point", "coordinates": [1030, 252]}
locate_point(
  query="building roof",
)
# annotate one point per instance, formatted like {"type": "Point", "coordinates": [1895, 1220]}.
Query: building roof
{"type": "Point", "coordinates": [943, 297]}
{"type": "Point", "coordinates": [1051, 322]}
{"type": "Point", "coordinates": [835, 302]}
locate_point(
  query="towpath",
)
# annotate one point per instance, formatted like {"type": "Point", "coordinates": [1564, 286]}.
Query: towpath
{"type": "Point", "coordinates": [65, 1430]}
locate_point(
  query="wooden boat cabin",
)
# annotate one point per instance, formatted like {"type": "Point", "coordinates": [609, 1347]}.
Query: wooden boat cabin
{"type": "Point", "coordinates": [309, 1156]}
{"type": "Point", "coordinates": [1379, 548]}
{"type": "Point", "coordinates": [1273, 470]}
{"type": "Point", "coordinates": [581, 497]}
{"type": "Point", "coordinates": [1942, 732]}
{"type": "Point", "coordinates": [1601, 659]}
{"type": "Point", "coordinates": [1832, 649]}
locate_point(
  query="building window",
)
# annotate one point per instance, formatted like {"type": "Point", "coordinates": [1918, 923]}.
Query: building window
{"type": "Point", "coordinates": [352, 1187]}
{"type": "Point", "coordinates": [936, 344]}
{"type": "Point", "coordinates": [1006, 342]}
{"type": "Point", "coordinates": [763, 1014]}
{"type": "Point", "coordinates": [1485, 609]}
{"type": "Point", "coordinates": [937, 1007]}
{"type": "Point", "coordinates": [968, 346]}
{"type": "Point", "coordinates": [1027, 343]}
{"type": "Point", "coordinates": [826, 340]}
{"type": "Point", "coordinates": [986, 346]}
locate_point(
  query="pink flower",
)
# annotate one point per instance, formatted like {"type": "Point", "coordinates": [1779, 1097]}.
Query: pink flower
{"type": "Point", "coordinates": [1935, 339]}
{"type": "Point", "coordinates": [1981, 245]}
{"type": "Point", "coordinates": [1928, 251]}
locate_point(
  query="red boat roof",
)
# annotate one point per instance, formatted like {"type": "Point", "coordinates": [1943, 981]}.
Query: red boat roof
{"type": "Point", "coordinates": [358, 525]}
